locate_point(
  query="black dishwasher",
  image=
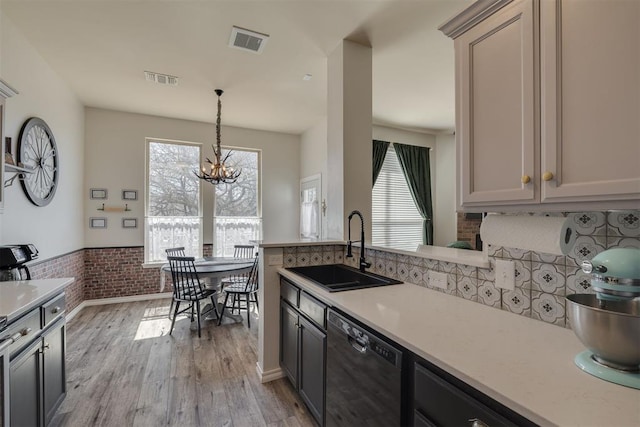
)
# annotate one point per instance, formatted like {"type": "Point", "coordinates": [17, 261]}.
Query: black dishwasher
{"type": "Point", "coordinates": [364, 376]}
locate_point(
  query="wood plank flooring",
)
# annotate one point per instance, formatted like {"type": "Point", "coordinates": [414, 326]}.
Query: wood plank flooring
{"type": "Point", "coordinates": [124, 369]}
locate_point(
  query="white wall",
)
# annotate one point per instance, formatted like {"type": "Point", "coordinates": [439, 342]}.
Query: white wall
{"type": "Point", "coordinates": [313, 159]}
{"type": "Point", "coordinates": [58, 227]}
{"type": "Point", "coordinates": [115, 158]}
{"type": "Point", "coordinates": [445, 195]}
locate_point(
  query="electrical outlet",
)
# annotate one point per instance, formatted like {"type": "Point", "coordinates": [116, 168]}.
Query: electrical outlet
{"type": "Point", "coordinates": [276, 260]}
{"type": "Point", "coordinates": [505, 274]}
{"type": "Point", "coordinates": [437, 280]}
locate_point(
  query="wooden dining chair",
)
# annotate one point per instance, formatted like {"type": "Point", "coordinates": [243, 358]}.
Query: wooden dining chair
{"type": "Point", "coordinates": [237, 290]}
{"type": "Point", "coordinates": [187, 288]}
{"type": "Point", "coordinates": [243, 251]}
{"type": "Point", "coordinates": [179, 251]}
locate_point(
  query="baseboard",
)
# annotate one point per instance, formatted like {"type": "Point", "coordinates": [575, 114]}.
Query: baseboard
{"type": "Point", "coordinates": [115, 300]}
{"type": "Point", "coordinates": [271, 375]}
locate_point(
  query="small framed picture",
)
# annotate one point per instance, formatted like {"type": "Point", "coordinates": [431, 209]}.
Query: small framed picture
{"type": "Point", "coordinates": [129, 222]}
{"type": "Point", "coordinates": [98, 222]}
{"type": "Point", "coordinates": [98, 193]}
{"type": "Point", "coordinates": [129, 194]}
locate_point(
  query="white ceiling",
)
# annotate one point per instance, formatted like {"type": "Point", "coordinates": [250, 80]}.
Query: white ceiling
{"type": "Point", "coordinates": [102, 47]}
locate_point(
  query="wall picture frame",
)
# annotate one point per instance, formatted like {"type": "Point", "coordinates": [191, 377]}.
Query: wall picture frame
{"type": "Point", "coordinates": [129, 194]}
{"type": "Point", "coordinates": [98, 193]}
{"type": "Point", "coordinates": [129, 222]}
{"type": "Point", "coordinates": [98, 222]}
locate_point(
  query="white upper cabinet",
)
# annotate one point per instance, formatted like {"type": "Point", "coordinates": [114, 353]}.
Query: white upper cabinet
{"type": "Point", "coordinates": [547, 104]}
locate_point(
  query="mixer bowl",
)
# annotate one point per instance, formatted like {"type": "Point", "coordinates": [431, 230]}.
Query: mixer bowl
{"type": "Point", "coordinates": [609, 329]}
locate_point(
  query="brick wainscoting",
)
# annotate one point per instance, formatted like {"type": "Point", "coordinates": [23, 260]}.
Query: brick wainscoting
{"type": "Point", "coordinates": [468, 228]}
{"type": "Point", "coordinates": [68, 265]}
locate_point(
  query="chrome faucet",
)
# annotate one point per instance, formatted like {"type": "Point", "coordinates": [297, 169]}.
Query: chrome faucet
{"type": "Point", "coordinates": [363, 262]}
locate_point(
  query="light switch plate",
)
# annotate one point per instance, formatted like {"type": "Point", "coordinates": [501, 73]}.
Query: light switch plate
{"type": "Point", "coordinates": [505, 274]}
{"type": "Point", "coordinates": [276, 260]}
{"type": "Point", "coordinates": [437, 279]}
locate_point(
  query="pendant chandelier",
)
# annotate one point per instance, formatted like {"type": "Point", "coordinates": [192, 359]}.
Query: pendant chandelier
{"type": "Point", "coordinates": [218, 171]}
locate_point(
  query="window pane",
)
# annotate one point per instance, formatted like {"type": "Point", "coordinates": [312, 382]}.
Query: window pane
{"type": "Point", "coordinates": [174, 189]}
{"type": "Point", "coordinates": [241, 198]}
{"type": "Point", "coordinates": [396, 222]}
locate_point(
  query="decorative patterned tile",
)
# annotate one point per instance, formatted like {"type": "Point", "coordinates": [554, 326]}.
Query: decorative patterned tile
{"type": "Point", "coordinates": [467, 270]}
{"type": "Point", "coordinates": [339, 257]}
{"type": "Point", "coordinates": [290, 250]}
{"type": "Point", "coordinates": [523, 274]}
{"type": "Point", "coordinates": [315, 258]}
{"type": "Point", "coordinates": [303, 249]}
{"type": "Point", "coordinates": [451, 284]}
{"type": "Point", "coordinates": [289, 260]}
{"type": "Point", "coordinates": [585, 248]}
{"type": "Point", "coordinates": [315, 249]}
{"type": "Point", "coordinates": [379, 266]}
{"type": "Point", "coordinates": [588, 223]}
{"type": "Point", "coordinates": [488, 294]}
{"type": "Point", "coordinates": [515, 253]}
{"type": "Point", "coordinates": [548, 308]}
{"type": "Point", "coordinates": [328, 257]}
{"type": "Point", "coordinates": [468, 288]}
{"type": "Point", "coordinates": [414, 260]}
{"type": "Point", "coordinates": [403, 259]}
{"type": "Point", "coordinates": [430, 264]}
{"type": "Point", "coordinates": [416, 275]}
{"type": "Point", "coordinates": [549, 278]}
{"type": "Point", "coordinates": [390, 267]}
{"type": "Point", "coordinates": [548, 258]}
{"type": "Point", "coordinates": [494, 251]}
{"type": "Point", "coordinates": [402, 272]}
{"type": "Point", "coordinates": [623, 223]}
{"type": "Point", "coordinates": [517, 301]}
{"type": "Point", "coordinates": [303, 258]}
{"type": "Point", "coordinates": [447, 267]}
{"type": "Point", "coordinates": [578, 282]}
{"type": "Point", "coordinates": [623, 242]}
{"type": "Point", "coordinates": [488, 273]}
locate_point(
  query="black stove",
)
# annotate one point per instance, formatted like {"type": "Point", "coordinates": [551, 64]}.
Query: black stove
{"type": "Point", "coordinates": [13, 259]}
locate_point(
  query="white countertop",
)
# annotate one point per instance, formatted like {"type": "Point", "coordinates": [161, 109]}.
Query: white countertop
{"type": "Point", "coordinates": [300, 242]}
{"type": "Point", "coordinates": [523, 363]}
{"type": "Point", "coordinates": [19, 296]}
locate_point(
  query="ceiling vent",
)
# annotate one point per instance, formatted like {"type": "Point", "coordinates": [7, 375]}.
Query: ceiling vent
{"type": "Point", "coordinates": [248, 40]}
{"type": "Point", "coordinates": [163, 79]}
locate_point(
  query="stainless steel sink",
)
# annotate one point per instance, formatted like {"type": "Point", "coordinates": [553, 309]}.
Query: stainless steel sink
{"type": "Point", "coordinates": [340, 277]}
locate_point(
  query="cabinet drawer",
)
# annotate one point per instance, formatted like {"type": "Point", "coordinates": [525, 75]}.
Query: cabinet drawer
{"type": "Point", "coordinates": [445, 404]}
{"type": "Point", "coordinates": [313, 309]}
{"type": "Point", "coordinates": [28, 326]}
{"type": "Point", "coordinates": [52, 310]}
{"type": "Point", "coordinates": [289, 292]}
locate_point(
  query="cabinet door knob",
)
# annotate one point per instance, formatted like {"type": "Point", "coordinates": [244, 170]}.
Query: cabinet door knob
{"type": "Point", "coordinates": [55, 310]}
{"type": "Point", "coordinates": [547, 176]}
{"type": "Point", "coordinates": [526, 179]}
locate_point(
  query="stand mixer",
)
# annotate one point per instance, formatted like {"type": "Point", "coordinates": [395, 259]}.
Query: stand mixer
{"type": "Point", "coordinates": [608, 323]}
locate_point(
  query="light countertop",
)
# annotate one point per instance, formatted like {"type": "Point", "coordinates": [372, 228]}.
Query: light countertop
{"type": "Point", "coordinates": [19, 296]}
{"type": "Point", "coordinates": [525, 364]}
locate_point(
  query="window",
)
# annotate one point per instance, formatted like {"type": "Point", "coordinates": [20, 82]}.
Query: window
{"type": "Point", "coordinates": [396, 222]}
{"type": "Point", "coordinates": [238, 213]}
{"type": "Point", "coordinates": [173, 205]}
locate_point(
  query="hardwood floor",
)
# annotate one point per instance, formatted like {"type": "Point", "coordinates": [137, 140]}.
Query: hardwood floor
{"type": "Point", "coordinates": [124, 369]}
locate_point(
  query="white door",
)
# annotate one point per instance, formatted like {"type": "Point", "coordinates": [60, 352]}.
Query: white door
{"type": "Point", "coordinates": [310, 214]}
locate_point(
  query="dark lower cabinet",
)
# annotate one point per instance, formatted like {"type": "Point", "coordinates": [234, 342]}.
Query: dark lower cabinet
{"type": "Point", "coordinates": [25, 387]}
{"type": "Point", "coordinates": [303, 346]}
{"type": "Point", "coordinates": [54, 371]}
{"type": "Point", "coordinates": [443, 400]}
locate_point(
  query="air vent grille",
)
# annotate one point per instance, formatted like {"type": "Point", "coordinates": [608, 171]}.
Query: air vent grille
{"type": "Point", "coordinates": [163, 79]}
{"type": "Point", "coordinates": [248, 40]}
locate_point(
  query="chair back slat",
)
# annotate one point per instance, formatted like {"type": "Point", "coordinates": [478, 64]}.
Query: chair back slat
{"type": "Point", "coordinates": [252, 277]}
{"type": "Point", "coordinates": [186, 283]}
{"type": "Point", "coordinates": [175, 251]}
{"type": "Point", "coordinates": [242, 251]}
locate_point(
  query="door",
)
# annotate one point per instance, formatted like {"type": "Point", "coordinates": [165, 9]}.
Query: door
{"type": "Point", "coordinates": [289, 342]}
{"type": "Point", "coordinates": [590, 83]}
{"type": "Point", "coordinates": [496, 108]}
{"type": "Point", "coordinates": [25, 384]}
{"type": "Point", "coordinates": [310, 210]}
{"type": "Point", "coordinates": [313, 347]}
{"type": "Point", "coordinates": [55, 386]}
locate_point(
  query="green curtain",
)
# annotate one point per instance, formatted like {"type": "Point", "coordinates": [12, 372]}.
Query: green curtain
{"type": "Point", "coordinates": [379, 153]}
{"type": "Point", "coordinates": [415, 165]}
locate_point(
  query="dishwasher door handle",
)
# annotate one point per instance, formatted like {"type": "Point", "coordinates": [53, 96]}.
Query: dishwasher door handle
{"type": "Point", "coordinates": [356, 344]}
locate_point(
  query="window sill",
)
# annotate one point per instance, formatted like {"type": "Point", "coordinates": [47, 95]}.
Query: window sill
{"type": "Point", "coordinates": [154, 264]}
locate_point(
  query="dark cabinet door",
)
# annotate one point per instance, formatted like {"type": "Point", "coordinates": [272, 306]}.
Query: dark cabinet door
{"type": "Point", "coordinates": [313, 345]}
{"type": "Point", "coordinates": [289, 342]}
{"type": "Point", "coordinates": [55, 386]}
{"type": "Point", "coordinates": [25, 382]}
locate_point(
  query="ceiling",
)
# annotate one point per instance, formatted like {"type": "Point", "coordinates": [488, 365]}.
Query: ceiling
{"type": "Point", "coordinates": [101, 48]}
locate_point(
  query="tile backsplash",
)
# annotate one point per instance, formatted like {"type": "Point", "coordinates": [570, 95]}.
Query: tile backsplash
{"type": "Point", "coordinates": [542, 280]}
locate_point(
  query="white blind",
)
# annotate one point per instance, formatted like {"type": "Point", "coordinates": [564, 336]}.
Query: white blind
{"type": "Point", "coordinates": [396, 222]}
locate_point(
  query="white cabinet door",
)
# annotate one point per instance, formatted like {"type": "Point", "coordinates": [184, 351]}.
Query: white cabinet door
{"type": "Point", "coordinates": [590, 98]}
{"type": "Point", "coordinates": [496, 118]}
